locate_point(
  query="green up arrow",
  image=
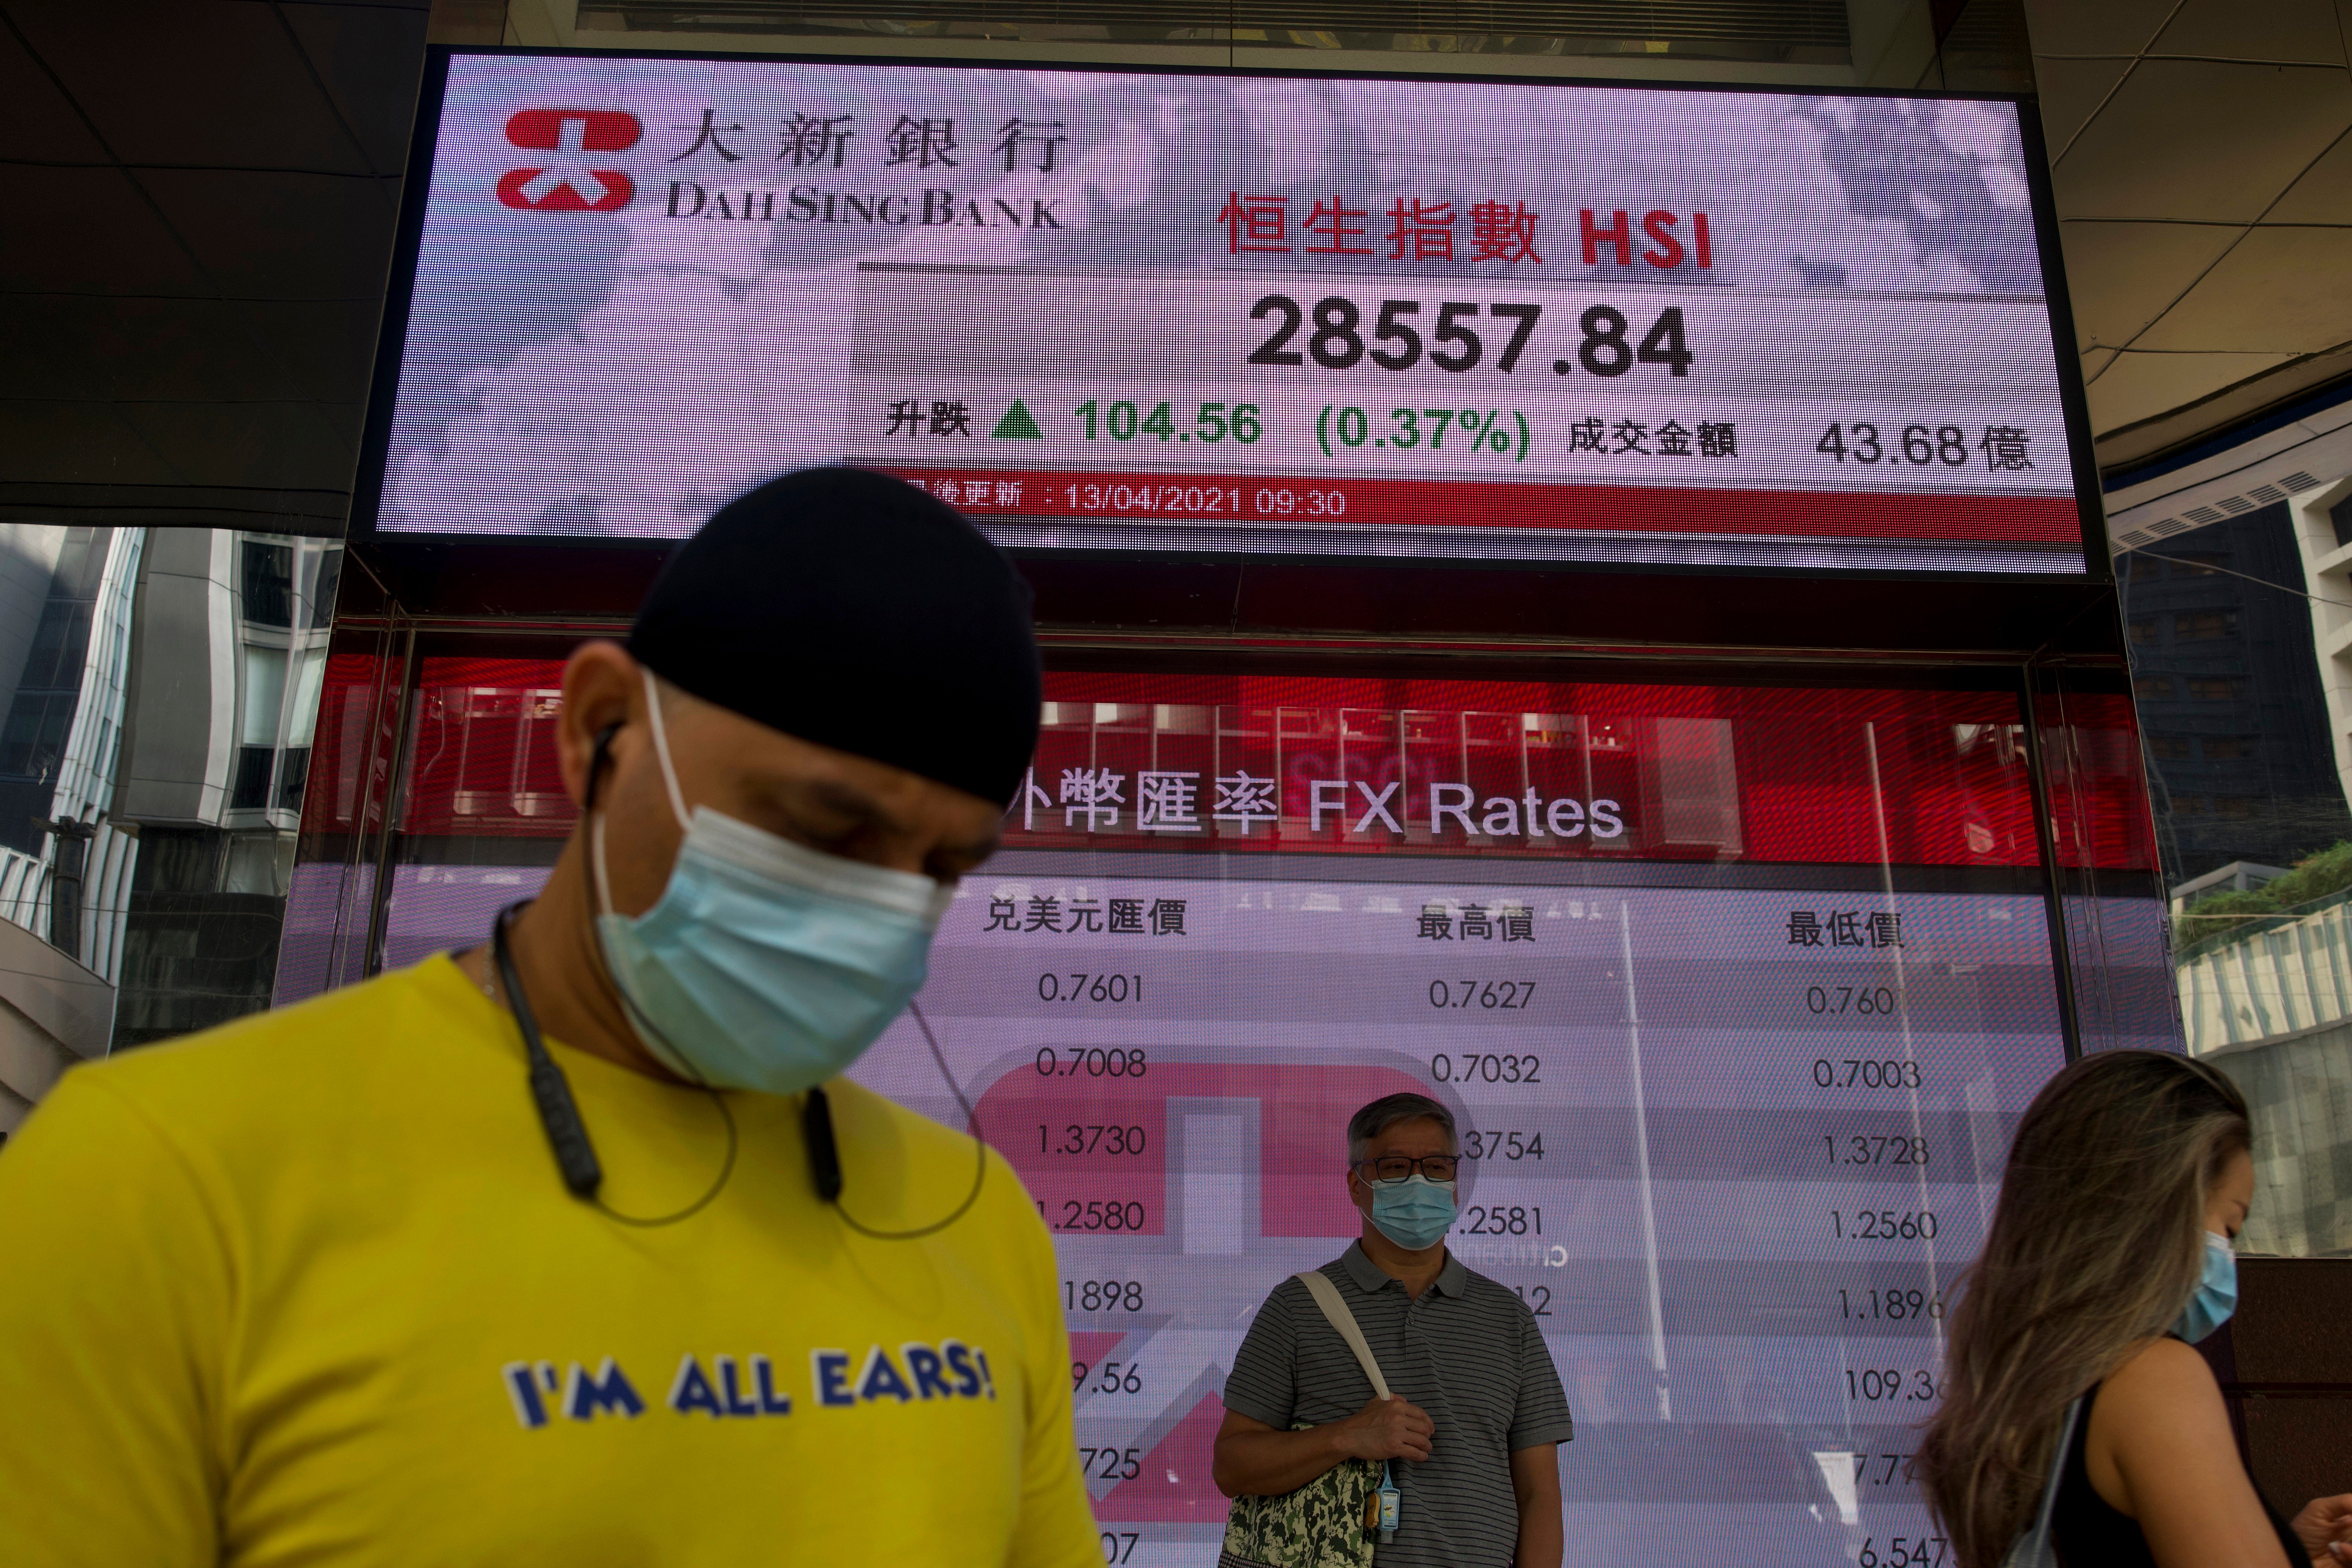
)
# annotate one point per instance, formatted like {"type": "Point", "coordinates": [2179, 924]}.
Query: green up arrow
{"type": "Point", "coordinates": [1018, 425]}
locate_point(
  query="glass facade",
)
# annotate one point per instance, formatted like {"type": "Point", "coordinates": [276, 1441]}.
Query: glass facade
{"type": "Point", "coordinates": [183, 711]}
{"type": "Point", "coordinates": [160, 688]}
{"type": "Point", "coordinates": [2233, 640]}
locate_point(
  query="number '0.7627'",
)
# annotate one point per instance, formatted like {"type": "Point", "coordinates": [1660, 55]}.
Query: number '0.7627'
{"type": "Point", "coordinates": [1337, 338]}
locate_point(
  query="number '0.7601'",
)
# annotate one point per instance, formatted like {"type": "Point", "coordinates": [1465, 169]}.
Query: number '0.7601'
{"type": "Point", "coordinates": [1337, 338]}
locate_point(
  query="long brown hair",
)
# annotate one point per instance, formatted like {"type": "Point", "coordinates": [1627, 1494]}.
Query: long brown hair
{"type": "Point", "coordinates": [2097, 1244]}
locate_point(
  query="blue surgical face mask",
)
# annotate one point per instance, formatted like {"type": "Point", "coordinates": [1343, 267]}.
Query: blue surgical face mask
{"type": "Point", "coordinates": [2216, 1296]}
{"type": "Point", "coordinates": [765, 965]}
{"type": "Point", "coordinates": [1415, 1212]}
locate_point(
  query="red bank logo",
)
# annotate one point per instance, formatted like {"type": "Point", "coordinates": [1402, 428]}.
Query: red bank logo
{"type": "Point", "coordinates": [564, 183]}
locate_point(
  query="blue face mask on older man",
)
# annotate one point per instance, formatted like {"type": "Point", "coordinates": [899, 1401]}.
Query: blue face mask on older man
{"type": "Point", "coordinates": [1416, 1213]}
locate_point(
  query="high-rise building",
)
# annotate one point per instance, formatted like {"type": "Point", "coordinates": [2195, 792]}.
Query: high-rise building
{"type": "Point", "coordinates": [160, 688]}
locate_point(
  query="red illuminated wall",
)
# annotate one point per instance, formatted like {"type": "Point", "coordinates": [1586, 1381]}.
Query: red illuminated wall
{"type": "Point", "coordinates": [1692, 773]}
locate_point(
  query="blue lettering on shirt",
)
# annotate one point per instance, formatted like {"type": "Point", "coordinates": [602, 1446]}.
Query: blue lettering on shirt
{"type": "Point", "coordinates": [586, 1395]}
{"type": "Point", "coordinates": [771, 1402]}
{"type": "Point", "coordinates": [881, 1380]}
{"type": "Point", "coordinates": [523, 1391]}
{"type": "Point", "coordinates": [958, 1356]}
{"type": "Point", "coordinates": [925, 1364]}
{"type": "Point", "coordinates": [691, 1389]}
{"type": "Point", "coordinates": [746, 1386]}
{"type": "Point", "coordinates": [830, 1371]}
{"type": "Point", "coordinates": [729, 1391]}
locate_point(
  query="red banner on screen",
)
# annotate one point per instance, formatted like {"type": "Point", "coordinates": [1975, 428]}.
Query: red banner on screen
{"type": "Point", "coordinates": [1180, 499]}
{"type": "Point", "coordinates": [1259, 764]}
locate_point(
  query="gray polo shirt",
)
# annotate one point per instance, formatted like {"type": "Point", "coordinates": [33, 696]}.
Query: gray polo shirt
{"type": "Point", "coordinates": [1467, 1353]}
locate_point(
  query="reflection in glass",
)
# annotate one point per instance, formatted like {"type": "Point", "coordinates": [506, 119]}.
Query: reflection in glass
{"type": "Point", "coordinates": [268, 582]}
{"type": "Point", "coordinates": [2234, 683]}
{"type": "Point", "coordinates": [156, 696]}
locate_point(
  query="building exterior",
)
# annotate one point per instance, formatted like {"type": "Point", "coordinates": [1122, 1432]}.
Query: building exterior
{"type": "Point", "coordinates": [2232, 696]}
{"type": "Point", "coordinates": [161, 687]}
{"type": "Point", "coordinates": [232, 648]}
{"type": "Point", "coordinates": [2235, 575]}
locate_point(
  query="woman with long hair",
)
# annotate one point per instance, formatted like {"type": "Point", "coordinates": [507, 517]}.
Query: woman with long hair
{"type": "Point", "coordinates": [2128, 1181]}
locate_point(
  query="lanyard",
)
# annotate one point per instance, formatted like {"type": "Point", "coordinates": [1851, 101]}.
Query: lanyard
{"type": "Point", "coordinates": [559, 1113]}
{"type": "Point", "coordinates": [576, 1155]}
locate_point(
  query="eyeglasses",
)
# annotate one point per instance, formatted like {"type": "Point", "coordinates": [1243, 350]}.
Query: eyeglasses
{"type": "Point", "coordinates": [1397, 1167]}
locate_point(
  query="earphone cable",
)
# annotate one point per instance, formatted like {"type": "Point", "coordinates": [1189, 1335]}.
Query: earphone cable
{"type": "Point", "coordinates": [980, 1175]}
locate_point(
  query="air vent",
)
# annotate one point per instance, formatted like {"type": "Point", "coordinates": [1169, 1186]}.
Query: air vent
{"type": "Point", "coordinates": [2169, 525]}
{"type": "Point", "coordinates": [2267, 493]}
{"type": "Point", "coordinates": [2137, 537]}
{"type": "Point", "coordinates": [2298, 482]}
{"type": "Point", "coordinates": [2202, 514]}
{"type": "Point", "coordinates": [2234, 504]}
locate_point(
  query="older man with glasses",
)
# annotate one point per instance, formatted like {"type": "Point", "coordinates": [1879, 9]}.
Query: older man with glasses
{"type": "Point", "coordinates": [1476, 1412]}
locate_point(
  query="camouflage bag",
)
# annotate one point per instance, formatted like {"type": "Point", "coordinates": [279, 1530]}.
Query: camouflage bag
{"type": "Point", "coordinates": [1321, 1525]}
{"type": "Point", "coordinates": [1329, 1521]}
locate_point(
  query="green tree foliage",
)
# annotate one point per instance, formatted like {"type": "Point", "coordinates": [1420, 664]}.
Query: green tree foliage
{"type": "Point", "coordinates": [2314, 880]}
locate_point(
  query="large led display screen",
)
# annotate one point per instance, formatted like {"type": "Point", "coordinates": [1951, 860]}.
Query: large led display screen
{"type": "Point", "coordinates": [1737, 994]}
{"type": "Point", "coordinates": [1233, 312]}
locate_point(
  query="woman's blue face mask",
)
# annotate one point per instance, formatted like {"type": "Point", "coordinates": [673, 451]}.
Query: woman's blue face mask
{"type": "Point", "coordinates": [764, 966]}
{"type": "Point", "coordinates": [2216, 1296]}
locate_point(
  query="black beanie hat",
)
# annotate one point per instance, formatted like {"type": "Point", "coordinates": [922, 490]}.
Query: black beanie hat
{"type": "Point", "coordinates": [858, 612]}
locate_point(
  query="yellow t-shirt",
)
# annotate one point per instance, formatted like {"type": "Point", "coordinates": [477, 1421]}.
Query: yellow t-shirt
{"type": "Point", "coordinates": [307, 1290]}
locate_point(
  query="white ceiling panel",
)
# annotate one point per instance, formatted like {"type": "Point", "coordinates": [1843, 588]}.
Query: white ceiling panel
{"type": "Point", "coordinates": [368, 59]}
{"type": "Point", "coordinates": [113, 241]}
{"type": "Point", "coordinates": [2324, 194]}
{"type": "Point", "coordinates": [2285, 290]}
{"type": "Point", "coordinates": [2192, 139]}
{"type": "Point", "coordinates": [2222, 161]}
{"type": "Point", "coordinates": [156, 91]}
{"type": "Point", "coordinates": [37, 122]}
{"type": "Point", "coordinates": [2095, 27]}
{"type": "Point", "coordinates": [279, 235]}
{"type": "Point", "coordinates": [76, 442]}
{"type": "Point", "coordinates": [2070, 90]}
{"type": "Point", "coordinates": [2123, 276]}
{"type": "Point", "coordinates": [2304, 30]}
{"type": "Point", "coordinates": [2139, 387]}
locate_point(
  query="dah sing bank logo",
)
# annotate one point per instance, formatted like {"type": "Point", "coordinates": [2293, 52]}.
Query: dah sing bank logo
{"type": "Point", "coordinates": [564, 183]}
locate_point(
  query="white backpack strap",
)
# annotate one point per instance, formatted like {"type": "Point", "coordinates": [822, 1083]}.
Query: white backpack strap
{"type": "Point", "coordinates": [2032, 1549]}
{"type": "Point", "coordinates": [1327, 1295]}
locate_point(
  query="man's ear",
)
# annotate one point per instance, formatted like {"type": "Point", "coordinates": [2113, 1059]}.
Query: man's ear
{"type": "Point", "coordinates": [599, 759]}
{"type": "Point", "coordinates": [604, 695]}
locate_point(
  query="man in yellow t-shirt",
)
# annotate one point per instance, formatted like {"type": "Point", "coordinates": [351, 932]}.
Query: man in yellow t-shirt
{"type": "Point", "coordinates": [573, 1249]}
